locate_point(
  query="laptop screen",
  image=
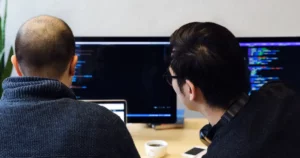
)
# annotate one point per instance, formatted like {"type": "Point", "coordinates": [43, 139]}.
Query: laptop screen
{"type": "Point", "coordinates": [117, 108]}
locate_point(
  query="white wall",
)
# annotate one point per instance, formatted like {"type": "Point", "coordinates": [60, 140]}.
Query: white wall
{"type": "Point", "coordinates": [160, 17]}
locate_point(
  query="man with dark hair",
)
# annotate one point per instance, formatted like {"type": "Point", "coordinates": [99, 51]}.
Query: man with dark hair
{"type": "Point", "coordinates": [210, 75]}
{"type": "Point", "coordinates": [40, 116]}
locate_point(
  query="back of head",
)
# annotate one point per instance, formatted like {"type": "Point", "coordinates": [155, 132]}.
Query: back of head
{"type": "Point", "coordinates": [44, 47]}
{"type": "Point", "coordinates": [209, 56]}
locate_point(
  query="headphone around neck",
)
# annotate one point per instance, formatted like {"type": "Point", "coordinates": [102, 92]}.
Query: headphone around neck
{"type": "Point", "coordinates": [208, 132]}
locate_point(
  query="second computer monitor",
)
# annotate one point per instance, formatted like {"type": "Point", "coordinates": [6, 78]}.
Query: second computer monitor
{"type": "Point", "coordinates": [272, 59]}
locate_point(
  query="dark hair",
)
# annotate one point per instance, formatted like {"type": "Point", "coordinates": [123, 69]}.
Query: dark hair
{"type": "Point", "coordinates": [209, 56]}
{"type": "Point", "coordinates": [45, 50]}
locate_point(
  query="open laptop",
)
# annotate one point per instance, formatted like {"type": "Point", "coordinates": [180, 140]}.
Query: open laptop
{"type": "Point", "coordinates": [119, 107]}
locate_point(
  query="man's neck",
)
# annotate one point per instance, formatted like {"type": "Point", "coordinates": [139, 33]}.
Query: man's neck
{"type": "Point", "coordinates": [213, 115]}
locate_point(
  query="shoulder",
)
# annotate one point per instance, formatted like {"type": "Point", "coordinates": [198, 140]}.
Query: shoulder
{"type": "Point", "coordinates": [271, 94]}
{"type": "Point", "coordinates": [274, 95]}
{"type": "Point", "coordinates": [271, 110]}
{"type": "Point", "coordinates": [276, 89]}
{"type": "Point", "coordinates": [91, 112]}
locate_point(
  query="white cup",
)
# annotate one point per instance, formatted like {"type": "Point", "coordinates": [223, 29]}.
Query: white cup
{"type": "Point", "coordinates": [156, 148]}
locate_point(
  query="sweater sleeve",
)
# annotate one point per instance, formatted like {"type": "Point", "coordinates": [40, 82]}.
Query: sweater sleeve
{"type": "Point", "coordinates": [126, 146]}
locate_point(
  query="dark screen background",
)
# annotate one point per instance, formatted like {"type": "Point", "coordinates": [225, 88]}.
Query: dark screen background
{"type": "Point", "coordinates": [131, 72]}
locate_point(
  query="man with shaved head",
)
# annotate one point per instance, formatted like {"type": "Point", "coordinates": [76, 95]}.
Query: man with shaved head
{"type": "Point", "coordinates": [45, 47]}
{"type": "Point", "coordinates": [39, 114]}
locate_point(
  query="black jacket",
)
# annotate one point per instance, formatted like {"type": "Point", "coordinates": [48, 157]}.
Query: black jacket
{"type": "Point", "coordinates": [267, 127]}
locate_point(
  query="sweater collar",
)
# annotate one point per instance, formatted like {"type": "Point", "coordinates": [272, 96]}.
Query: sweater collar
{"type": "Point", "coordinates": [34, 88]}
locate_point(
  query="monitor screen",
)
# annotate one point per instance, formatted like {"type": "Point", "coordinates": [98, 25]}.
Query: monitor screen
{"type": "Point", "coordinates": [129, 68]}
{"type": "Point", "coordinates": [272, 59]}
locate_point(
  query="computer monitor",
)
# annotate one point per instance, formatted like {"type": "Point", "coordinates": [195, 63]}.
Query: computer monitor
{"type": "Point", "coordinates": [129, 68]}
{"type": "Point", "coordinates": [272, 59]}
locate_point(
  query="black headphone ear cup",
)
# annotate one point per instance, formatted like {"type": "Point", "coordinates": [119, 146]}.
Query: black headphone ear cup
{"type": "Point", "coordinates": [204, 134]}
{"type": "Point", "coordinates": [205, 130]}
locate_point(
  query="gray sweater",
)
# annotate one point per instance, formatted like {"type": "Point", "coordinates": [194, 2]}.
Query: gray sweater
{"type": "Point", "coordinates": [41, 118]}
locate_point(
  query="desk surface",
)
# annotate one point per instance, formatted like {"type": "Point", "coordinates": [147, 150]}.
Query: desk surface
{"type": "Point", "coordinates": [179, 140]}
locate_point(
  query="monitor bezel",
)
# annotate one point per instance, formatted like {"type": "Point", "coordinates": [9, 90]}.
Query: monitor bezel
{"type": "Point", "coordinates": [122, 38]}
{"type": "Point", "coordinates": [153, 120]}
{"type": "Point", "coordinates": [269, 39]}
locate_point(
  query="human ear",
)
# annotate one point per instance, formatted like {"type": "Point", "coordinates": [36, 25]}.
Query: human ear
{"type": "Point", "coordinates": [73, 65]}
{"type": "Point", "coordinates": [14, 61]}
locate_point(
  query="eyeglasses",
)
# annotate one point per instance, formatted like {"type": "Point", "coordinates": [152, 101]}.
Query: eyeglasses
{"type": "Point", "coordinates": [168, 77]}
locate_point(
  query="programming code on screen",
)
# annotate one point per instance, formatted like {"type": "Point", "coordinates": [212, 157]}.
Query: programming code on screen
{"type": "Point", "coordinates": [125, 70]}
{"type": "Point", "coordinates": [273, 61]}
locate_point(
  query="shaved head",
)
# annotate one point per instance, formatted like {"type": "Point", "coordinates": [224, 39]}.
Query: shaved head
{"type": "Point", "coordinates": [44, 46]}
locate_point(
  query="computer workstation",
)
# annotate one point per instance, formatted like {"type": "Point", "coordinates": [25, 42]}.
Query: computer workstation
{"type": "Point", "coordinates": [132, 69]}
